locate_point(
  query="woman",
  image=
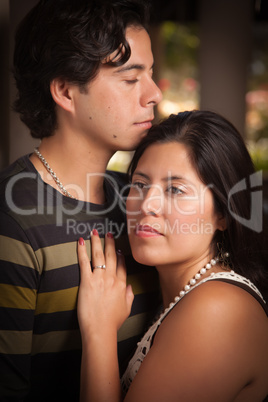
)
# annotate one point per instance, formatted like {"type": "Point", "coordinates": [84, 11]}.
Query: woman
{"type": "Point", "coordinates": [189, 214]}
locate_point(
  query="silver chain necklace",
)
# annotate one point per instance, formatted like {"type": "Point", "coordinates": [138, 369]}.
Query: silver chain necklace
{"type": "Point", "coordinates": [53, 174]}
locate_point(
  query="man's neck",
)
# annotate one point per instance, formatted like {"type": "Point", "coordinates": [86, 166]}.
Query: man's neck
{"type": "Point", "coordinates": [79, 167]}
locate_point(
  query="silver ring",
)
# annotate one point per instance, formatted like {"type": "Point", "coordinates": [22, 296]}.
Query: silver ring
{"type": "Point", "coordinates": [100, 266]}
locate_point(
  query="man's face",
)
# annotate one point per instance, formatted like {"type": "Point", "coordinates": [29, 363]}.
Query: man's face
{"type": "Point", "coordinates": [117, 110]}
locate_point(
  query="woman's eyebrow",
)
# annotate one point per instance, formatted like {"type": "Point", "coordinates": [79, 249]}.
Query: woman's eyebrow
{"type": "Point", "coordinates": [168, 178]}
{"type": "Point", "coordinates": [165, 179]}
{"type": "Point", "coordinates": [137, 173]}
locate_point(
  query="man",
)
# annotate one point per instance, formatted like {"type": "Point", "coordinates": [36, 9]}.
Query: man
{"type": "Point", "coordinates": [83, 71]}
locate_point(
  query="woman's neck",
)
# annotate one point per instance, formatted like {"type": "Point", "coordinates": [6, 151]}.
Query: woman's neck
{"type": "Point", "coordinates": [173, 278]}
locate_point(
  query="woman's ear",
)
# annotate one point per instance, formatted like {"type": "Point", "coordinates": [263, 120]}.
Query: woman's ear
{"type": "Point", "coordinates": [61, 92]}
{"type": "Point", "coordinates": [221, 224]}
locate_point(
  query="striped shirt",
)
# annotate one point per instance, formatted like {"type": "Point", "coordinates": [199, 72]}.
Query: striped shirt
{"type": "Point", "coordinates": [40, 345]}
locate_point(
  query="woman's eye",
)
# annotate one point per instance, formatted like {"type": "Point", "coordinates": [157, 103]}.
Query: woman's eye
{"type": "Point", "coordinates": [175, 190]}
{"type": "Point", "coordinates": [139, 184]}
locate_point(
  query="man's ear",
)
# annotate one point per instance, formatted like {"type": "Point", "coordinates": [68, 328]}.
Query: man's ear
{"type": "Point", "coordinates": [61, 92]}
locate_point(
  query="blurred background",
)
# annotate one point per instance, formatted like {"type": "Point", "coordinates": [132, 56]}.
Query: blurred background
{"type": "Point", "coordinates": [209, 54]}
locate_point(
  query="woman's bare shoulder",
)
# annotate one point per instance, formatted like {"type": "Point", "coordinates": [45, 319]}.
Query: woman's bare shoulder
{"type": "Point", "coordinates": [219, 305]}
{"type": "Point", "coordinates": [214, 339]}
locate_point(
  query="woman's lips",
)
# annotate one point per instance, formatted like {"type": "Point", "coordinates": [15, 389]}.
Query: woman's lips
{"type": "Point", "coordinates": [146, 231]}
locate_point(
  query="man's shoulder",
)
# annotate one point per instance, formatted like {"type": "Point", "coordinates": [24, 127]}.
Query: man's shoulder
{"type": "Point", "coordinates": [18, 167]}
{"type": "Point", "coordinates": [15, 178]}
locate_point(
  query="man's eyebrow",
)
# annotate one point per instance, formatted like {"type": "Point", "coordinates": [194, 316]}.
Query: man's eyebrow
{"type": "Point", "coordinates": [131, 67]}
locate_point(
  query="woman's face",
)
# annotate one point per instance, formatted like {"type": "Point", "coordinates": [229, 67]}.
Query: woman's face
{"type": "Point", "coordinates": [170, 211]}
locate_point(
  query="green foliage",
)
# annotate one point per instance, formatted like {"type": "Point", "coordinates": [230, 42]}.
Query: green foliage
{"type": "Point", "coordinates": [181, 44]}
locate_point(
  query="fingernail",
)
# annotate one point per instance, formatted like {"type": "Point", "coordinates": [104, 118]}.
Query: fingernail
{"type": "Point", "coordinates": [81, 241]}
{"type": "Point", "coordinates": [119, 252]}
{"type": "Point", "coordinates": [95, 232]}
{"type": "Point", "coordinates": [110, 235]}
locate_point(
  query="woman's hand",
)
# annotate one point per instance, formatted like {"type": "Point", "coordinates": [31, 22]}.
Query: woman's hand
{"type": "Point", "coordinates": [104, 300]}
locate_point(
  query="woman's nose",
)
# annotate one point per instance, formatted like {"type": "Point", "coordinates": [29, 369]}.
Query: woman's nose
{"type": "Point", "coordinates": [153, 202]}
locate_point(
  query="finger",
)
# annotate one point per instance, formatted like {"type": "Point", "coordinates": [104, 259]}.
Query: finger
{"type": "Point", "coordinates": [129, 297]}
{"type": "Point", "coordinates": [121, 270]}
{"type": "Point", "coordinates": [110, 253]}
{"type": "Point", "coordinates": [83, 260]}
{"type": "Point", "coordinates": [97, 255]}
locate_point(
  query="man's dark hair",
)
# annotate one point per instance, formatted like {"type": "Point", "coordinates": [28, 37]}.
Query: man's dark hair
{"type": "Point", "coordinates": [68, 39]}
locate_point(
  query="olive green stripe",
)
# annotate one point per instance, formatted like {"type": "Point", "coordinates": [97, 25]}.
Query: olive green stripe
{"type": "Point", "coordinates": [51, 257]}
{"type": "Point", "coordinates": [65, 299]}
{"type": "Point", "coordinates": [17, 297]}
{"type": "Point", "coordinates": [54, 302]}
{"type": "Point", "coordinates": [15, 342]}
{"type": "Point", "coordinates": [55, 341]}
{"type": "Point", "coordinates": [17, 252]}
{"type": "Point", "coordinates": [59, 255]}
{"type": "Point", "coordinates": [133, 326]}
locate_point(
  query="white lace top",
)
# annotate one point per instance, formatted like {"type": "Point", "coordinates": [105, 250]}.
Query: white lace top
{"type": "Point", "coordinates": [144, 345]}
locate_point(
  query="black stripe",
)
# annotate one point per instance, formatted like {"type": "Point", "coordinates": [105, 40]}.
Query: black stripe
{"type": "Point", "coordinates": [16, 319]}
{"type": "Point", "coordinates": [60, 279]}
{"type": "Point", "coordinates": [16, 275]}
{"type": "Point", "coordinates": [59, 321]}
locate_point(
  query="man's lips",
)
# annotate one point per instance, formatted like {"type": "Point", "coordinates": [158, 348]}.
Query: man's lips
{"type": "Point", "coordinates": [146, 124]}
{"type": "Point", "coordinates": [146, 231]}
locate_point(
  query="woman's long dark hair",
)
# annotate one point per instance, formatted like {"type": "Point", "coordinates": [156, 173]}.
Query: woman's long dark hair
{"type": "Point", "coordinates": [221, 159]}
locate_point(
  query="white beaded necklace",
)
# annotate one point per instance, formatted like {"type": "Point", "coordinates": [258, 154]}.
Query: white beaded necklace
{"type": "Point", "coordinates": [53, 174]}
{"type": "Point", "coordinates": [197, 276]}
